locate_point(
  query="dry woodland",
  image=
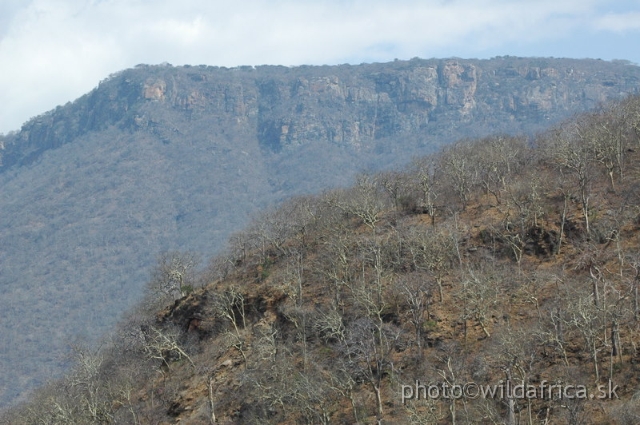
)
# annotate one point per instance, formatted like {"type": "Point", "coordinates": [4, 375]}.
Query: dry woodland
{"type": "Point", "coordinates": [161, 158]}
{"type": "Point", "coordinates": [494, 260]}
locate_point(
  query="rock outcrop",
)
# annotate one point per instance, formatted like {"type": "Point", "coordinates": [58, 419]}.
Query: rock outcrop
{"type": "Point", "coordinates": [284, 108]}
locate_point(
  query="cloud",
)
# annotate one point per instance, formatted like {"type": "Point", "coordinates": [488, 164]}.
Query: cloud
{"type": "Point", "coordinates": [53, 51]}
{"type": "Point", "coordinates": [619, 22]}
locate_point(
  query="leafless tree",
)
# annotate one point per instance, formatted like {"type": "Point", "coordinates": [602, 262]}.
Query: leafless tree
{"type": "Point", "coordinates": [575, 159]}
{"type": "Point", "coordinates": [330, 325]}
{"type": "Point", "coordinates": [362, 201]}
{"type": "Point", "coordinates": [425, 175]}
{"type": "Point", "coordinates": [584, 316]}
{"type": "Point", "coordinates": [629, 412]}
{"type": "Point", "coordinates": [458, 167]}
{"type": "Point", "coordinates": [634, 285]}
{"type": "Point", "coordinates": [271, 229]}
{"type": "Point", "coordinates": [241, 244]}
{"type": "Point", "coordinates": [521, 213]}
{"type": "Point", "coordinates": [174, 275]}
{"type": "Point", "coordinates": [432, 251]}
{"type": "Point", "coordinates": [497, 159]}
{"type": "Point", "coordinates": [230, 305]}
{"type": "Point", "coordinates": [425, 412]}
{"type": "Point", "coordinates": [314, 395]}
{"type": "Point", "coordinates": [83, 396]}
{"type": "Point", "coordinates": [416, 292]}
{"type": "Point", "coordinates": [631, 107]}
{"type": "Point", "coordinates": [302, 318]}
{"type": "Point", "coordinates": [334, 264]}
{"type": "Point", "coordinates": [551, 330]}
{"type": "Point", "coordinates": [478, 295]}
{"type": "Point", "coordinates": [515, 356]}
{"type": "Point", "coordinates": [163, 344]}
{"type": "Point", "coordinates": [450, 369]}
{"type": "Point", "coordinates": [394, 184]}
{"type": "Point", "coordinates": [368, 351]}
{"type": "Point", "coordinates": [87, 385]}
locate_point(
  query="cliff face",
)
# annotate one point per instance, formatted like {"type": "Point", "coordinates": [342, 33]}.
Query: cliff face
{"type": "Point", "coordinates": [164, 158]}
{"type": "Point", "coordinates": [351, 106]}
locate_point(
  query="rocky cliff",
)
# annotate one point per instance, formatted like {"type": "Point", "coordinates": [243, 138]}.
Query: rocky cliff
{"type": "Point", "coordinates": [162, 158]}
{"type": "Point", "coordinates": [348, 106]}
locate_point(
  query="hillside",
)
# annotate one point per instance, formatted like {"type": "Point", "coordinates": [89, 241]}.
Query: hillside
{"type": "Point", "coordinates": [492, 260]}
{"type": "Point", "coordinates": [163, 158]}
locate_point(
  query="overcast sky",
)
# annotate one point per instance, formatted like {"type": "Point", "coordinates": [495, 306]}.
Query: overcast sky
{"type": "Point", "coordinates": [53, 51]}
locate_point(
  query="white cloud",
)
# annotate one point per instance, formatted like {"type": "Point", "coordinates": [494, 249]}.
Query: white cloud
{"type": "Point", "coordinates": [53, 51]}
{"type": "Point", "coordinates": [619, 22]}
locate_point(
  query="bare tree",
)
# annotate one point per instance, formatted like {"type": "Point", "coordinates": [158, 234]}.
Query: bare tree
{"type": "Point", "coordinates": [83, 396]}
{"type": "Point", "coordinates": [314, 396]}
{"type": "Point", "coordinates": [629, 412]}
{"type": "Point", "coordinates": [241, 244]}
{"type": "Point", "coordinates": [362, 201]}
{"type": "Point", "coordinates": [449, 369]}
{"type": "Point", "coordinates": [631, 107]}
{"type": "Point", "coordinates": [334, 263]}
{"type": "Point", "coordinates": [174, 275]}
{"type": "Point", "coordinates": [416, 292]}
{"type": "Point", "coordinates": [458, 167]}
{"type": "Point", "coordinates": [230, 305]}
{"type": "Point", "coordinates": [551, 330]}
{"type": "Point", "coordinates": [330, 326]}
{"type": "Point", "coordinates": [87, 384]}
{"type": "Point", "coordinates": [478, 296]}
{"type": "Point", "coordinates": [574, 157]}
{"type": "Point", "coordinates": [302, 318]}
{"type": "Point", "coordinates": [584, 316]}
{"type": "Point", "coordinates": [432, 251]}
{"type": "Point", "coordinates": [271, 228]}
{"type": "Point", "coordinates": [425, 412]}
{"type": "Point", "coordinates": [607, 131]}
{"type": "Point", "coordinates": [522, 212]}
{"type": "Point", "coordinates": [634, 286]}
{"type": "Point", "coordinates": [287, 225]}
{"type": "Point", "coordinates": [516, 356]}
{"type": "Point", "coordinates": [368, 351]}
{"type": "Point", "coordinates": [497, 159]}
{"type": "Point", "coordinates": [164, 345]}
{"type": "Point", "coordinates": [426, 178]}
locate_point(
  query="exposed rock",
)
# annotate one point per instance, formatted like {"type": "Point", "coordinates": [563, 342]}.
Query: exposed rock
{"type": "Point", "coordinates": [350, 106]}
{"type": "Point", "coordinates": [154, 89]}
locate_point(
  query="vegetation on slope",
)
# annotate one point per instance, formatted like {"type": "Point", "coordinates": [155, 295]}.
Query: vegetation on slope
{"type": "Point", "coordinates": [493, 260]}
{"type": "Point", "coordinates": [160, 158]}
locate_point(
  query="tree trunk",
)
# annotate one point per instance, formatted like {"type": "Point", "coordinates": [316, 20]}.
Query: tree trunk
{"type": "Point", "coordinates": [211, 403]}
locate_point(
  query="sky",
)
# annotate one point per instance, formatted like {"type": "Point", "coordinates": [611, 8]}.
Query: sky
{"type": "Point", "coordinates": [54, 51]}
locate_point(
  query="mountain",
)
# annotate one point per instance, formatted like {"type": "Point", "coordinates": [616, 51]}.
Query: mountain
{"type": "Point", "coordinates": [493, 282]}
{"type": "Point", "coordinates": [162, 158]}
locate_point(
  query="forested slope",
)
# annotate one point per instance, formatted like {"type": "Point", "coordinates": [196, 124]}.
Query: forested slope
{"type": "Point", "coordinates": [494, 259]}
{"type": "Point", "coordinates": [162, 158]}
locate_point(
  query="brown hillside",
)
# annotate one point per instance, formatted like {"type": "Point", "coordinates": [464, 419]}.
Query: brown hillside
{"type": "Point", "coordinates": [495, 260]}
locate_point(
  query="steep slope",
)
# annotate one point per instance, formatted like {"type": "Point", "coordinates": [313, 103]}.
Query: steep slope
{"type": "Point", "coordinates": [159, 158]}
{"type": "Point", "coordinates": [412, 297]}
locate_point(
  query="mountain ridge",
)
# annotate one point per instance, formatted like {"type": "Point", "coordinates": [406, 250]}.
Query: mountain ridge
{"type": "Point", "coordinates": [161, 158]}
{"type": "Point", "coordinates": [420, 88]}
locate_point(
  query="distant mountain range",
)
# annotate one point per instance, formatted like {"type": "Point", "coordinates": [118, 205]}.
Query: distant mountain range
{"type": "Point", "coordinates": [160, 158]}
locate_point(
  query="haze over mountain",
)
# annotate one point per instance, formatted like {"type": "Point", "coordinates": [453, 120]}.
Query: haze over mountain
{"type": "Point", "coordinates": [160, 158]}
